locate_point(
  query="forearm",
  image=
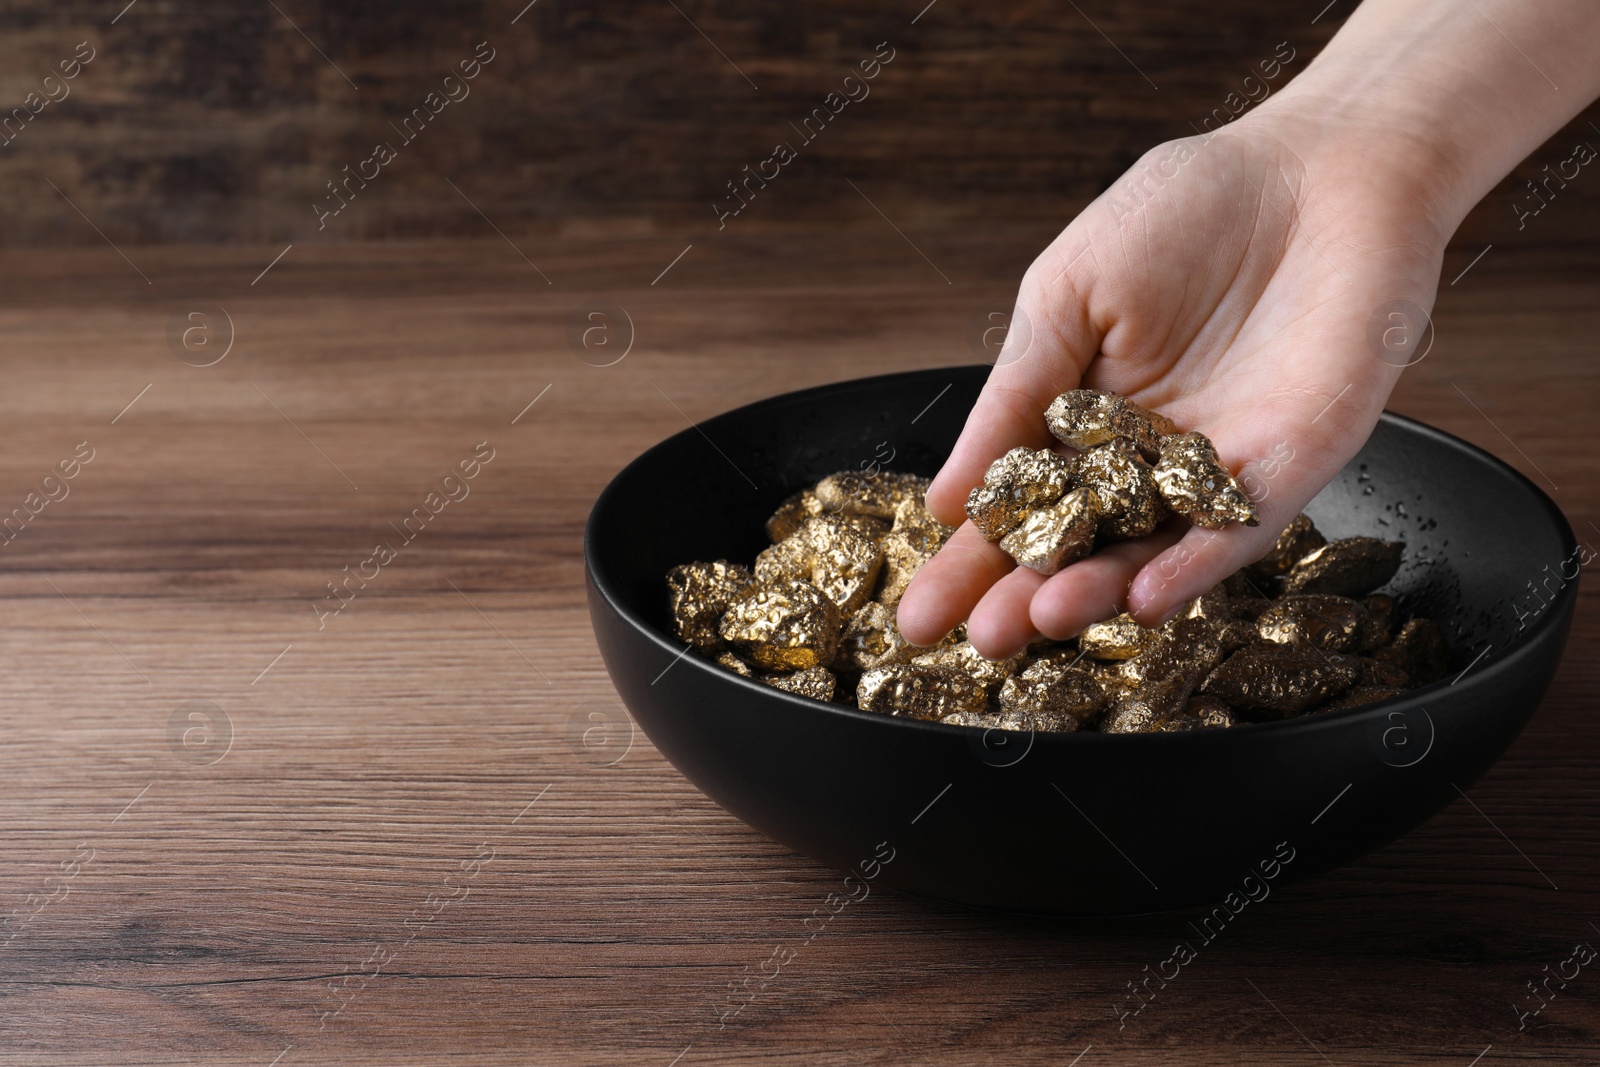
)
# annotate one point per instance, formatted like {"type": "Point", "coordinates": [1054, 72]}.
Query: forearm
{"type": "Point", "coordinates": [1454, 92]}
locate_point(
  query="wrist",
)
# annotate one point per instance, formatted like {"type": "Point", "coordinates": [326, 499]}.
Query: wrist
{"type": "Point", "coordinates": [1364, 129]}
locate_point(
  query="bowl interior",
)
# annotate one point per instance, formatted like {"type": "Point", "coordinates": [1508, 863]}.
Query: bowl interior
{"type": "Point", "coordinates": [1487, 552]}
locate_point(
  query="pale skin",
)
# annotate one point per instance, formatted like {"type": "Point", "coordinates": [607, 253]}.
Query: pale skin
{"type": "Point", "coordinates": [1228, 281]}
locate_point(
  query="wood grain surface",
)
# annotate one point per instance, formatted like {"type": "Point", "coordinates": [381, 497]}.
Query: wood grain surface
{"type": "Point", "coordinates": [386, 841]}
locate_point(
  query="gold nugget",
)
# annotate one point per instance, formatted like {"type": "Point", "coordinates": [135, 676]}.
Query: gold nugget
{"type": "Point", "coordinates": [1143, 710]}
{"type": "Point", "coordinates": [1014, 485]}
{"type": "Point", "coordinates": [738, 666]}
{"type": "Point", "coordinates": [1056, 534]}
{"type": "Point", "coordinates": [1086, 418]}
{"type": "Point", "coordinates": [1049, 696]}
{"type": "Point", "coordinates": [1331, 623]}
{"type": "Point", "coordinates": [1130, 503]}
{"type": "Point", "coordinates": [876, 495]}
{"type": "Point", "coordinates": [963, 657]}
{"type": "Point", "coordinates": [872, 639]}
{"type": "Point", "coordinates": [1114, 639]}
{"type": "Point", "coordinates": [1352, 566]}
{"type": "Point", "coordinates": [783, 625]}
{"type": "Point", "coordinates": [919, 692]}
{"type": "Point", "coordinates": [1193, 482]}
{"type": "Point", "coordinates": [699, 594]}
{"type": "Point", "coordinates": [792, 514]}
{"type": "Point", "coordinates": [1382, 613]}
{"type": "Point", "coordinates": [814, 682]}
{"type": "Point", "coordinates": [1298, 540]}
{"type": "Point", "coordinates": [916, 536]}
{"type": "Point", "coordinates": [830, 554]}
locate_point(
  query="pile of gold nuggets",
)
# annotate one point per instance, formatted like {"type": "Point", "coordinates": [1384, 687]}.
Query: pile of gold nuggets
{"type": "Point", "coordinates": [1302, 629]}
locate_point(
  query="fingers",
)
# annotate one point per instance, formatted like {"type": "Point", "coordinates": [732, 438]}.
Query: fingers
{"type": "Point", "coordinates": [999, 626]}
{"type": "Point", "coordinates": [1096, 587]}
{"type": "Point", "coordinates": [1049, 343]}
{"type": "Point", "coordinates": [1285, 454]}
{"type": "Point", "coordinates": [947, 587]}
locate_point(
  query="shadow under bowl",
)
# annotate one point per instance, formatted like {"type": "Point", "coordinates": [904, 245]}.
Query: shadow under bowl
{"type": "Point", "coordinates": [1077, 823]}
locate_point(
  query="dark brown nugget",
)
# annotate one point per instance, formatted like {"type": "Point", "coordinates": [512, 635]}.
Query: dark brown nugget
{"type": "Point", "coordinates": [1380, 674]}
{"type": "Point", "coordinates": [786, 625]}
{"type": "Point", "coordinates": [1382, 615]}
{"type": "Point", "coordinates": [919, 692]}
{"type": "Point", "coordinates": [1360, 696]}
{"type": "Point", "coordinates": [1419, 650]}
{"type": "Point", "coordinates": [1087, 418]}
{"type": "Point", "coordinates": [1298, 540]}
{"type": "Point", "coordinates": [1331, 623]}
{"type": "Point", "coordinates": [1056, 534]}
{"type": "Point", "coordinates": [1193, 482]}
{"type": "Point", "coordinates": [1200, 713]}
{"type": "Point", "coordinates": [1130, 503]}
{"type": "Point", "coordinates": [1351, 566]}
{"type": "Point", "coordinates": [1144, 709]}
{"type": "Point", "coordinates": [1014, 485]}
{"type": "Point", "coordinates": [1287, 679]}
{"type": "Point", "coordinates": [699, 594]}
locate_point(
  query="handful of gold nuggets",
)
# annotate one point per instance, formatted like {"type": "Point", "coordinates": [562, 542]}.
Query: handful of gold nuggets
{"type": "Point", "coordinates": [1300, 630]}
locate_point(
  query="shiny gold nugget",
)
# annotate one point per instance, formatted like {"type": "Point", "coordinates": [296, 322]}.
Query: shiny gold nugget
{"type": "Point", "coordinates": [963, 657]}
{"type": "Point", "coordinates": [784, 625]}
{"type": "Point", "coordinates": [1352, 566]}
{"type": "Point", "coordinates": [792, 514]}
{"type": "Point", "coordinates": [1047, 696]}
{"type": "Point", "coordinates": [1331, 623]}
{"type": "Point", "coordinates": [814, 682]}
{"type": "Point", "coordinates": [1298, 540]}
{"type": "Point", "coordinates": [699, 593]}
{"type": "Point", "coordinates": [729, 661]}
{"type": "Point", "coordinates": [1115, 639]}
{"type": "Point", "coordinates": [1086, 418]}
{"type": "Point", "coordinates": [872, 639]}
{"type": "Point", "coordinates": [876, 495]}
{"type": "Point", "coordinates": [1130, 503]}
{"type": "Point", "coordinates": [831, 555]}
{"type": "Point", "coordinates": [1014, 485]}
{"type": "Point", "coordinates": [916, 536]}
{"type": "Point", "coordinates": [919, 692]}
{"type": "Point", "coordinates": [1057, 534]}
{"type": "Point", "coordinates": [1193, 482]}
{"type": "Point", "coordinates": [1287, 679]}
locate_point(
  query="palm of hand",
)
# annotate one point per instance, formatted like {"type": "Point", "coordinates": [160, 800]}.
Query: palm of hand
{"type": "Point", "coordinates": [1227, 283]}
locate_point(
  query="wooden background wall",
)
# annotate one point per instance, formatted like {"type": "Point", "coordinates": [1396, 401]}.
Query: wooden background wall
{"type": "Point", "coordinates": [208, 122]}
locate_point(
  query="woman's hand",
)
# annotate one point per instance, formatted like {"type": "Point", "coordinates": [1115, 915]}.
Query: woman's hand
{"type": "Point", "coordinates": [1228, 281]}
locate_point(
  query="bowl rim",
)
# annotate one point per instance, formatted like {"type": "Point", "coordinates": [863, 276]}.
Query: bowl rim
{"type": "Point", "coordinates": [1555, 615]}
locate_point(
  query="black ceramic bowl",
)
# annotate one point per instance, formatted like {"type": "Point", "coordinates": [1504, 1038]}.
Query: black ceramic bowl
{"type": "Point", "coordinates": [1081, 823]}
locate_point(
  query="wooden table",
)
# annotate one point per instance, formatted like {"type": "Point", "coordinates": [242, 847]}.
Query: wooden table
{"type": "Point", "coordinates": [231, 836]}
